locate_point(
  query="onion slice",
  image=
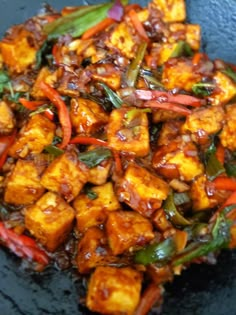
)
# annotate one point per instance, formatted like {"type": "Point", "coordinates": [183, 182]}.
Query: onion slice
{"type": "Point", "coordinates": [116, 11]}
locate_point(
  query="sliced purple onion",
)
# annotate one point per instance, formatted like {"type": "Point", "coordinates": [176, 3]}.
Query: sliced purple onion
{"type": "Point", "coordinates": [116, 11]}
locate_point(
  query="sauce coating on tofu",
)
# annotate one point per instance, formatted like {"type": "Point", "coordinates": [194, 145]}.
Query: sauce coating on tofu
{"type": "Point", "coordinates": [117, 149]}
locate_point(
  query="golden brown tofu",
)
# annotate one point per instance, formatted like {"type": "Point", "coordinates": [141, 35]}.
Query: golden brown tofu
{"type": "Point", "coordinates": [162, 115]}
{"type": "Point", "coordinates": [91, 212]}
{"type": "Point", "coordinates": [127, 230]}
{"type": "Point", "coordinates": [93, 250]}
{"type": "Point", "coordinates": [114, 291]}
{"type": "Point", "coordinates": [163, 52]}
{"type": "Point", "coordinates": [228, 133]}
{"type": "Point", "coordinates": [23, 185]}
{"type": "Point", "coordinates": [225, 89]}
{"type": "Point", "coordinates": [45, 75]}
{"type": "Point", "coordinates": [141, 190]}
{"type": "Point", "coordinates": [198, 194]}
{"type": "Point", "coordinates": [108, 74]}
{"type": "Point", "coordinates": [169, 131]}
{"type": "Point", "coordinates": [65, 175]}
{"type": "Point", "coordinates": [127, 131]}
{"type": "Point", "coordinates": [7, 120]}
{"type": "Point", "coordinates": [122, 39]}
{"type": "Point", "coordinates": [190, 33]}
{"type": "Point", "coordinates": [172, 10]}
{"type": "Point", "coordinates": [17, 50]}
{"type": "Point", "coordinates": [160, 220]}
{"type": "Point", "coordinates": [179, 73]}
{"type": "Point", "coordinates": [98, 175]}
{"type": "Point", "coordinates": [50, 220]}
{"type": "Point", "coordinates": [87, 116]}
{"type": "Point", "coordinates": [179, 159]}
{"type": "Point", "coordinates": [33, 137]}
{"type": "Point", "coordinates": [209, 120]}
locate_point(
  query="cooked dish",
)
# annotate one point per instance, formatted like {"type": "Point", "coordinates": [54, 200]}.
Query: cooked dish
{"type": "Point", "coordinates": [117, 148]}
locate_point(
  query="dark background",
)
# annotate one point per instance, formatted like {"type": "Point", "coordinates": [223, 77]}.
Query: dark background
{"type": "Point", "coordinates": [201, 290]}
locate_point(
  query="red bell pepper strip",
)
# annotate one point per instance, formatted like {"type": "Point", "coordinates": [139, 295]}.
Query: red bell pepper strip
{"type": "Point", "coordinates": [138, 25]}
{"type": "Point", "coordinates": [63, 112]}
{"type": "Point", "coordinates": [151, 295]}
{"type": "Point", "coordinates": [166, 97]}
{"type": "Point", "coordinates": [8, 141]}
{"type": "Point", "coordinates": [224, 183]}
{"type": "Point", "coordinates": [97, 28]}
{"type": "Point", "coordinates": [168, 106]}
{"type": "Point", "coordinates": [22, 245]}
{"type": "Point", "coordinates": [31, 105]}
{"type": "Point", "coordinates": [88, 141]}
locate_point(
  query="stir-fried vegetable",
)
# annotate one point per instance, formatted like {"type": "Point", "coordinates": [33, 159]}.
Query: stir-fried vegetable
{"type": "Point", "coordinates": [117, 148]}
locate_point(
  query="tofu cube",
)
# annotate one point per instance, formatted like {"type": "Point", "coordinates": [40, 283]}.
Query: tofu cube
{"type": "Point", "coordinates": [114, 290]}
{"type": "Point", "coordinates": [225, 89]}
{"type": "Point", "coordinates": [141, 190]}
{"type": "Point", "coordinates": [172, 10]}
{"type": "Point", "coordinates": [87, 116]}
{"type": "Point", "coordinates": [65, 175]}
{"type": "Point", "coordinates": [91, 212]}
{"type": "Point", "coordinates": [33, 137]}
{"type": "Point", "coordinates": [45, 75]}
{"type": "Point", "coordinates": [179, 73]}
{"type": "Point", "coordinates": [108, 74]}
{"type": "Point", "coordinates": [190, 33]}
{"type": "Point", "coordinates": [127, 230]}
{"type": "Point", "coordinates": [7, 119]}
{"type": "Point", "coordinates": [160, 220]}
{"type": "Point", "coordinates": [228, 133]}
{"type": "Point", "coordinates": [99, 174]}
{"type": "Point", "coordinates": [23, 185]}
{"type": "Point", "coordinates": [93, 250]}
{"type": "Point", "coordinates": [127, 131]}
{"type": "Point", "coordinates": [209, 120]}
{"type": "Point", "coordinates": [17, 50]}
{"type": "Point", "coordinates": [50, 220]}
{"type": "Point", "coordinates": [122, 40]}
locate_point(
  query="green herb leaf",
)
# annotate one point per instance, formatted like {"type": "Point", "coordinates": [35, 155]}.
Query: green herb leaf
{"type": "Point", "coordinates": [213, 167]}
{"type": "Point", "coordinates": [95, 157]}
{"type": "Point", "coordinates": [42, 53]}
{"type": "Point", "coordinates": [156, 253]}
{"type": "Point", "coordinates": [113, 97]}
{"type": "Point", "coordinates": [230, 169]}
{"type": "Point", "coordinates": [53, 150]}
{"type": "Point", "coordinates": [91, 194]}
{"type": "Point", "coordinates": [182, 49]}
{"type": "Point", "coordinates": [4, 80]}
{"type": "Point", "coordinates": [203, 89]}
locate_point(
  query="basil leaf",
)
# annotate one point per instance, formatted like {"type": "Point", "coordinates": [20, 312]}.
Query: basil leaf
{"type": "Point", "coordinates": [94, 157]}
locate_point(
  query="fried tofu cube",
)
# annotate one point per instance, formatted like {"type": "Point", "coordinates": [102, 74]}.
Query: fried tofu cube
{"type": "Point", "coordinates": [23, 185]}
{"type": "Point", "coordinates": [7, 120]}
{"type": "Point", "coordinates": [169, 131]}
{"type": "Point", "coordinates": [98, 175]}
{"type": "Point", "coordinates": [91, 212]}
{"type": "Point", "coordinates": [114, 290]}
{"type": "Point", "coordinates": [163, 52]}
{"type": "Point", "coordinates": [190, 33]}
{"type": "Point", "coordinates": [127, 230]}
{"type": "Point", "coordinates": [225, 89]}
{"type": "Point", "coordinates": [210, 120]}
{"type": "Point", "coordinates": [198, 194]}
{"type": "Point", "coordinates": [17, 50]}
{"type": "Point", "coordinates": [123, 40]}
{"type": "Point", "coordinates": [45, 75]}
{"type": "Point", "coordinates": [66, 175]}
{"type": "Point", "coordinates": [87, 116]}
{"type": "Point", "coordinates": [179, 73]}
{"type": "Point", "coordinates": [160, 220]}
{"type": "Point", "coordinates": [93, 250]}
{"type": "Point", "coordinates": [50, 220]}
{"type": "Point", "coordinates": [141, 190]}
{"type": "Point", "coordinates": [108, 74]}
{"type": "Point", "coordinates": [228, 133]}
{"type": "Point", "coordinates": [179, 159]}
{"type": "Point", "coordinates": [127, 131]}
{"type": "Point", "coordinates": [172, 10]}
{"type": "Point", "coordinates": [33, 137]}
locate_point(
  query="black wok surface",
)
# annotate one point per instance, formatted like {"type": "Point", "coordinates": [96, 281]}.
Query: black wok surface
{"type": "Point", "coordinates": [201, 290]}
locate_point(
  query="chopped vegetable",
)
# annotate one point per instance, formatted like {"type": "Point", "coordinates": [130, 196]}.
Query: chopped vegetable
{"type": "Point", "coordinates": [94, 157]}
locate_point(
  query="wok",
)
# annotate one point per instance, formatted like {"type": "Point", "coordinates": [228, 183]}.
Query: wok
{"type": "Point", "coordinates": [201, 290]}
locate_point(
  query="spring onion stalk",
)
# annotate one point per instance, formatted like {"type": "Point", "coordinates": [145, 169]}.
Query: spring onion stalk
{"type": "Point", "coordinates": [113, 97]}
{"type": "Point", "coordinates": [53, 150]}
{"type": "Point", "coordinates": [182, 49]}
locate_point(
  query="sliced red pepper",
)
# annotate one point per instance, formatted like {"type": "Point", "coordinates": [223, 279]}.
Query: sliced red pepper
{"type": "Point", "coordinates": [22, 245]}
{"type": "Point", "coordinates": [166, 97]}
{"type": "Point", "coordinates": [138, 25]}
{"type": "Point", "coordinates": [220, 153]}
{"type": "Point", "coordinates": [88, 141]}
{"type": "Point", "coordinates": [168, 106]}
{"type": "Point", "coordinates": [224, 183]}
{"type": "Point", "coordinates": [97, 28]}
{"type": "Point", "coordinates": [151, 295]}
{"type": "Point", "coordinates": [7, 141]}
{"type": "Point", "coordinates": [63, 112]}
{"type": "Point", "coordinates": [31, 105]}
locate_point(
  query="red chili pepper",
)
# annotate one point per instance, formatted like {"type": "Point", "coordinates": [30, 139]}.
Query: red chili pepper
{"type": "Point", "coordinates": [220, 153]}
{"type": "Point", "coordinates": [97, 28]}
{"type": "Point", "coordinates": [7, 141]}
{"type": "Point", "coordinates": [22, 245]}
{"type": "Point", "coordinates": [168, 106]}
{"type": "Point", "coordinates": [118, 163]}
{"type": "Point", "coordinates": [151, 295]}
{"type": "Point", "coordinates": [88, 140]}
{"type": "Point", "coordinates": [137, 24]}
{"type": "Point", "coordinates": [31, 105]}
{"type": "Point", "coordinates": [166, 97]}
{"type": "Point", "coordinates": [63, 112]}
{"type": "Point", "coordinates": [224, 183]}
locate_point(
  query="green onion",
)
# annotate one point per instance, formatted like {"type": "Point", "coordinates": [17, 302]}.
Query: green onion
{"type": "Point", "coordinates": [41, 109]}
{"type": "Point", "coordinates": [113, 97]}
{"type": "Point", "coordinates": [134, 67]}
{"type": "Point", "coordinates": [181, 198]}
{"type": "Point", "coordinates": [230, 73]}
{"type": "Point", "coordinates": [172, 212]}
{"type": "Point", "coordinates": [213, 167]}
{"type": "Point", "coordinates": [203, 89]}
{"type": "Point", "coordinates": [220, 238]}
{"type": "Point", "coordinates": [53, 150]}
{"type": "Point", "coordinates": [156, 253]}
{"type": "Point", "coordinates": [182, 49]}
{"type": "Point", "coordinates": [95, 157]}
